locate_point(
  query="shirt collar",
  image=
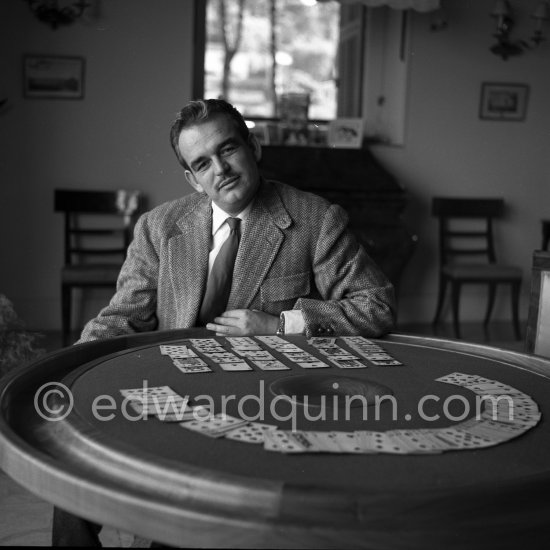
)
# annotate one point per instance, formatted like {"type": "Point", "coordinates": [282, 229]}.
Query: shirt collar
{"type": "Point", "coordinates": [219, 216]}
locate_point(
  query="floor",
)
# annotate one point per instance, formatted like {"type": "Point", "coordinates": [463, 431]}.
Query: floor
{"type": "Point", "coordinates": [25, 520]}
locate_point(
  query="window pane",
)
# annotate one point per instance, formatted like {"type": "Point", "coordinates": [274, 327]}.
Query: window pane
{"type": "Point", "coordinates": [247, 36]}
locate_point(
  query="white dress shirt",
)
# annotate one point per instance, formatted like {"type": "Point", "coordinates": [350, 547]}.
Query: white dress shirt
{"type": "Point", "coordinates": [294, 320]}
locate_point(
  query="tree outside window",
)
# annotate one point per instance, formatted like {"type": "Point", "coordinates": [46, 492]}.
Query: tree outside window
{"type": "Point", "coordinates": [258, 50]}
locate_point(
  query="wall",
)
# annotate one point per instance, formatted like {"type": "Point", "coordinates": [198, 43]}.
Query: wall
{"type": "Point", "coordinates": [138, 73]}
{"type": "Point", "coordinates": [138, 67]}
{"type": "Point", "coordinates": [449, 151]}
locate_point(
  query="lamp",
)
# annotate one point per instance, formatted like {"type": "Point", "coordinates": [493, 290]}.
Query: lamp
{"type": "Point", "coordinates": [504, 47]}
{"type": "Point", "coordinates": [51, 13]}
{"type": "Point", "coordinates": [541, 14]}
{"type": "Point", "coordinates": [504, 16]}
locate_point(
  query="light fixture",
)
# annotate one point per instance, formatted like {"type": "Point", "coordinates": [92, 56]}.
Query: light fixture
{"type": "Point", "coordinates": [540, 15]}
{"type": "Point", "coordinates": [504, 16]}
{"type": "Point", "coordinates": [56, 13]}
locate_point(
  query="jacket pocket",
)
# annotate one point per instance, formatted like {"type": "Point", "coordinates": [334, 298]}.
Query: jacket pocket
{"type": "Point", "coordinates": [291, 287]}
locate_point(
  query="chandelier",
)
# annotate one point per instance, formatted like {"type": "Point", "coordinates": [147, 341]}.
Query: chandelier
{"type": "Point", "coordinates": [56, 13]}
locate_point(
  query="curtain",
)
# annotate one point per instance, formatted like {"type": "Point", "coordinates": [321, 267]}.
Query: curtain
{"type": "Point", "coordinates": [418, 5]}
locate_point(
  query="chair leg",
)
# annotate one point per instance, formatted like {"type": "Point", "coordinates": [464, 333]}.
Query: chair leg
{"type": "Point", "coordinates": [66, 313]}
{"type": "Point", "coordinates": [455, 294]}
{"type": "Point", "coordinates": [516, 287]}
{"type": "Point", "coordinates": [440, 298]}
{"type": "Point", "coordinates": [490, 303]}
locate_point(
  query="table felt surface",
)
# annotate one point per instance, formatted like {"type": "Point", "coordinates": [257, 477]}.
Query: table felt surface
{"type": "Point", "coordinates": [170, 444]}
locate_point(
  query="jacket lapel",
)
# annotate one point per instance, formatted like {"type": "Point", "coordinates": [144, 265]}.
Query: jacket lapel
{"type": "Point", "coordinates": [260, 242]}
{"type": "Point", "coordinates": [189, 259]}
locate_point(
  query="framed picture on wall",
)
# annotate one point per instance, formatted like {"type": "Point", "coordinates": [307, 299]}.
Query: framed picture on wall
{"type": "Point", "coordinates": [53, 77]}
{"type": "Point", "coordinates": [502, 101]}
{"type": "Point", "coordinates": [345, 133]}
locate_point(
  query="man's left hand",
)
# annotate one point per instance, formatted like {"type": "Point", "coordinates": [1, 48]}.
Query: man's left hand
{"type": "Point", "coordinates": [243, 322]}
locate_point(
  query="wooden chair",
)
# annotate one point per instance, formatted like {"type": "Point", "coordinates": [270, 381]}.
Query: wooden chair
{"type": "Point", "coordinates": [466, 233]}
{"type": "Point", "coordinates": [98, 230]}
{"type": "Point", "coordinates": [537, 339]}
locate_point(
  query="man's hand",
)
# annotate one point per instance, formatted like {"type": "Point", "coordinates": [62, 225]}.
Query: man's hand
{"type": "Point", "coordinates": [243, 322]}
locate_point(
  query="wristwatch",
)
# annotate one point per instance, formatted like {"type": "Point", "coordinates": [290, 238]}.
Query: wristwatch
{"type": "Point", "coordinates": [281, 327]}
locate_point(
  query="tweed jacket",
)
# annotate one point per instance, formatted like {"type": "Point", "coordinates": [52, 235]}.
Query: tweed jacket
{"type": "Point", "coordinates": [295, 253]}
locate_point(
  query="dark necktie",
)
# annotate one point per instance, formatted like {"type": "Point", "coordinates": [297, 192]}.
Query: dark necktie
{"type": "Point", "coordinates": [218, 285]}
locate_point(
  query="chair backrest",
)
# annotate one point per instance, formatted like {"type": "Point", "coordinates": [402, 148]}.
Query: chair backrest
{"type": "Point", "coordinates": [97, 223]}
{"type": "Point", "coordinates": [466, 227]}
{"type": "Point", "coordinates": [537, 339]}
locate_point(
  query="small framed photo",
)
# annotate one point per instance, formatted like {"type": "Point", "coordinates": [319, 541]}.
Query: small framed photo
{"type": "Point", "coordinates": [502, 101]}
{"type": "Point", "coordinates": [53, 77]}
{"type": "Point", "coordinates": [260, 130]}
{"type": "Point", "coordinates": [345, 133]}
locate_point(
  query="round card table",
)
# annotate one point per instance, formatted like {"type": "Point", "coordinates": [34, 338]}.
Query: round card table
{"type": "Point", "coordinates": [183, 488]}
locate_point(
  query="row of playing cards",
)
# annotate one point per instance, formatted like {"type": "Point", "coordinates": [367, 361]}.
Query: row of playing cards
{"type": "Point", "coordinates": [193, 357]}
{"type": "Point", "coordinates": [508, 413]}
{"type": "Point", "coordinates": [505, 406]}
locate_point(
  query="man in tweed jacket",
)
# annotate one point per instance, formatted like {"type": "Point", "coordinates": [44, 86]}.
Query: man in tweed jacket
{"type": "Point", "coordinates": [297, 265]}
{"type": "Point", "coordinates": [296, 261]}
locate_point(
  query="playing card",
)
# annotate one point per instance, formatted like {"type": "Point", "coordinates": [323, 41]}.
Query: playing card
{"type": "Point", "coordinates": [224, 358]}
{"type": "Point", "coordinates": [270, 340]}
{"type": "Point", "coordinates": [240, 366]}
{"type": "Point", "coordinates": [321, 342]}
{"type": "Point", "coordinates": [238, 341]}
{"type": "Point", "coordinates": [269, 364]}
{"type": "Point", "coordinates": [386, 362]}
{"type": "Point", "coordinates": [203, 342]}
{"type": "Point", "coordinates": [348, 363]}
{"type": "Point", "coordinates": [356, 340]}
{"type": "Point", "coordinates": [288, 348]}
{"type": "Point", "coordinates": [148, 391]}
{"type": "Point", "coordinates": [177, 351]}
{"type": "Point", "coordinates": [378, 442]}
{"type": "Point", "coordinates": [461, 439]}
{"type": "Point", "coordinates": [185, 368]}
{"type": "Point", "coordinates": [417, 442]}
{"type": "Point", "coordinates": [312, 364]}
{"type": "Point", "coordinates": [460, 379]}
{"type": "Point", "coordinates": [300, 357]}
{"type": "Point", "coordinates": [378, 355]}
{"type": "Point", "coordinates": [282, 441]}
{"type": "Point", "coordinates": [262, 354]}
{"type": "Point", "coordinates": [189, 362]}
{"type": "Point", "coordinates": [347, 442]}
{"type": "Point", "coordinates": [214, 426]}
{"type": "Point", "coordinates": [494, 389]}
{"type": "Point", "coordinates": [512, 416]}
{"type": "Point", "coordinates": [167, 407]}
{"type": "Point", "coordinates": [336, 350]}
{"type": "Point", "coordinates": [191, 413]}
{"type": "Point", "coordinates": [316, 441]}
{"type": "Point", "coordinates": [251, 433]}
{"type": "Point", "coordinates": [492, 429]}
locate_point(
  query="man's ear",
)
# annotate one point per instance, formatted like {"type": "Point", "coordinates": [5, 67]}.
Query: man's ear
{"type": "Point", "coordinates": [255, 146]}
{"type": "Point", "coordinates": [193, 182]}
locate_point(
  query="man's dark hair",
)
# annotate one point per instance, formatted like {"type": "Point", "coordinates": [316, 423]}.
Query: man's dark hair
{"type": "Point", "coordinates": [200, 111]}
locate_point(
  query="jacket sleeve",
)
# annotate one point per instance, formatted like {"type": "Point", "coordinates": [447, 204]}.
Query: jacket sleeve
{"type": "Point", "coordinates": [356, 295]}
{"type": "Point", "coordinates": [133, 307]}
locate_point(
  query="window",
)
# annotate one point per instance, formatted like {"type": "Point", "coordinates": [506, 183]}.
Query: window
{"type": "Point", "coordinates": [258, 50]}
{"type": "Point", "coordinates": [348, 59]}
